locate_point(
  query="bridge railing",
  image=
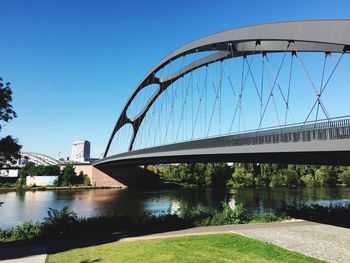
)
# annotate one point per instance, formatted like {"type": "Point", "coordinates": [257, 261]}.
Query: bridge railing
{"type": "Point", "coordinates": [327, 130]}
{"type": "Point", "coordinates": [332, 129]}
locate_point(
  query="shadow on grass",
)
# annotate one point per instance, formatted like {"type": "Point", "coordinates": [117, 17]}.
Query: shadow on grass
{"type": "Point", "coordinates": [25, 248]}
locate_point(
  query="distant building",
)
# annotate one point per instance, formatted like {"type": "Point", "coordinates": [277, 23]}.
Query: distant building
{"type": "Point", "coordinates": [9, 172]}
{"type": "Point", "coordinates": [13, 169]}
{"type": "Point", "coordinates": [80, 151]}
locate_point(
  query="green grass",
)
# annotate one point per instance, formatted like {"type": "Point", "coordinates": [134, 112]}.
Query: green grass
{"type": "Point", "coordinates": [203, 248]}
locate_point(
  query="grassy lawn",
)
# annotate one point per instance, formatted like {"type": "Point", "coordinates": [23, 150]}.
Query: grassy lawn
{"type": "Point", "coordinates": [203, 248]}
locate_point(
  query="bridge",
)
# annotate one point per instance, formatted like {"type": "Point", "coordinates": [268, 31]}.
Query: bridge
{"type": "Point", "coordinates": [39, 159]}
{"type": "Point", "coordinates": [275, 93]}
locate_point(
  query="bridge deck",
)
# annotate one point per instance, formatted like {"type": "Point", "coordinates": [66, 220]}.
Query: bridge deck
{"type": "Point", "coordinates": [319, 143]}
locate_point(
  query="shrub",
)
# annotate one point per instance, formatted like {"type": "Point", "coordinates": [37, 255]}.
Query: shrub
{"type": "Point", "coordinates": [65, 222]}
{"type": "Point", "coordinates": [332, 214]}
{"type": "Point", "coordinates": [21, 181]}
{"type": "Point", "coordinates": [209, 217]}
{"type": "Point", "coordinates": [27, 230]}
{"type": "Point", "coordinates": [5, 234]}
{"type": "Point", "coordinates": [267, 218]}
{"type": "Point", "coordinates": [59, 221]}
{"type": "Point", "coordinates": [86, 180]}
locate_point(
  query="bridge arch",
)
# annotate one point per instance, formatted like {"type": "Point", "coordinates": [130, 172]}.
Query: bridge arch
{"type": "Point", "coordinates": [296, 36]}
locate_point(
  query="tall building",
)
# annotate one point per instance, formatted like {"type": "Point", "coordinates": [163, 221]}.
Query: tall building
{"type": "Point", "coordinates": [80, 151]}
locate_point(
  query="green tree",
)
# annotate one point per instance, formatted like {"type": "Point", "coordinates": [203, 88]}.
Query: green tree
{"type": "Point", "coordinates": [326, 175]}
{"type": "Point", "coordinates": [344, 177]}
{"type": "Point", "coordinates": [292, 175]}
{"type": "Point", "coordinates": [278, 180]}
{"type": "Point", "coordinates": [25, 171]}
{"type": "Point", "coordinates": [68, 175]}
{"type": "Point", "coordinates": [9, 147]}
{"type": "Point", "coordinates": [308, 179]}
{"type": "Point", "coordinates": [242, 176]}
{"type": "Point", "coordinates": [217, 174]}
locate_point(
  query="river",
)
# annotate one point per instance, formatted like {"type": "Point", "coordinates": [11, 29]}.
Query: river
{"type": "Point", "coordinates": [19, 207]}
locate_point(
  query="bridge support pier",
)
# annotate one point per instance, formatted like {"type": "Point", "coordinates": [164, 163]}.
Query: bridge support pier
{"type": "Point", "coordinates": [121, 176]}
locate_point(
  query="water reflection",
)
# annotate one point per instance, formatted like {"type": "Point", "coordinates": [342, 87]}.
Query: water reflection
{"type": "Point", "coordinates": [23, 206]}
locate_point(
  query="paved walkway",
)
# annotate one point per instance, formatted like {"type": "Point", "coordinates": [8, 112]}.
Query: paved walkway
{"type": "Point", "coordinates": [31, 254]}
{"type": "Point", "coordinates": [329, 243]}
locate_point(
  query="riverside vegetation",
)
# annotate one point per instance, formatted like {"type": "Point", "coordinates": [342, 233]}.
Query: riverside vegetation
{"type": "Point", "coordinates": [66, 223]}
{"type": "Point", "coordinates": [251, 175]}
{"type": "Point", "coordinates": [66, 177]}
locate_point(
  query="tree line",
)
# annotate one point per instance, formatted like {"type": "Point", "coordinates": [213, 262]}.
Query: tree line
{"type": "Point", "coordinates": [66, 177]}
{"type": "Point", "coordinates": [251, 175]}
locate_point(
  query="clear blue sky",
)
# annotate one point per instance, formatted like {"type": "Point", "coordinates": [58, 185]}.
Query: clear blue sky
{"type": "Point", "coordinates": [73, 63]}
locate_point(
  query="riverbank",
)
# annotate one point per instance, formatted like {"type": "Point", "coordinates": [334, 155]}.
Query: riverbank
{"type": "Point", "coordinates": [200, 244]}
{"type": "Point", "coordinates": [66, 222]}
{"type": "Point", "coordinates": [54, 188]}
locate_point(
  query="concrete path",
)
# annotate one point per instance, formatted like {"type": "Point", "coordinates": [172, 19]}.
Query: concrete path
{"type": "Point", "coordinates": [329, 243]}
{"type": "Point", "coordinates": [26, 254]}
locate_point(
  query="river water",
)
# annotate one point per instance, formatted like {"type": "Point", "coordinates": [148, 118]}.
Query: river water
{"type": "Point", "coordinates": [19, 207]}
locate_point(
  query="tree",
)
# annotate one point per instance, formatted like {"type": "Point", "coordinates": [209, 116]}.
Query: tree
{"type": "Point", "coordinates": [242, 176]}
{"type": "Point", "coordinates": [292, 175]}
{"type": "Point", "coordinates": [217, 174]}
{"type": "Point", "coordinates": [9, 150]}
{"type": "Point", "coordinates": [68, 174]}
{"type": "Point", "coordinates": [9, 147]}
{"type": "Point", "coordinates": [344, 177]}
{"type": "Point", "coordinates": [326, 175]}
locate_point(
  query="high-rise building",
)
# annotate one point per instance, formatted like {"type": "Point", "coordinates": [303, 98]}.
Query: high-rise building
{"type": "Point", "coordinates": [80, 151]}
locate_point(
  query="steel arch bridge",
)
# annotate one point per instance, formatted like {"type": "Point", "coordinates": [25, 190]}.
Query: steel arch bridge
{"type": "Point", "coordinates": [230, 96]}
{"type": "Point", "coordinates": [39, 159]}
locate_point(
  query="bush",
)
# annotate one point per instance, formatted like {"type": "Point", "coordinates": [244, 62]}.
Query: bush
{"type": "Point", "coordinates": [59, 221]}
{"type": "Point", "coordinates": [267, 218]}
{"type": "Point", "coordinates": [86, 180]}
{"type": "Point", "coordinates": [21, 181]}
{"type": "Point", "coordinates": [209, 217]}
{"type": "Point", "coordinates": [333, 214]}
{"type": "Point", "coordinates": [27, 230]}
{"type": "Point", "coordinates": [5, 234]}
{"type": "Point", "coordinates": [65, 222]}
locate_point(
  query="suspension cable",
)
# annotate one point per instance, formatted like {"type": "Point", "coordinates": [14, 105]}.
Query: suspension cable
{"type": "Point", "coordinates": [289, 86]}
{"type": "Point", "coordinates": [273, 86]}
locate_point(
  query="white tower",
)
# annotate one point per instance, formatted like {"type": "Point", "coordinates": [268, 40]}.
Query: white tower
{"type": "Point", "coordinates": [80, 151]}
